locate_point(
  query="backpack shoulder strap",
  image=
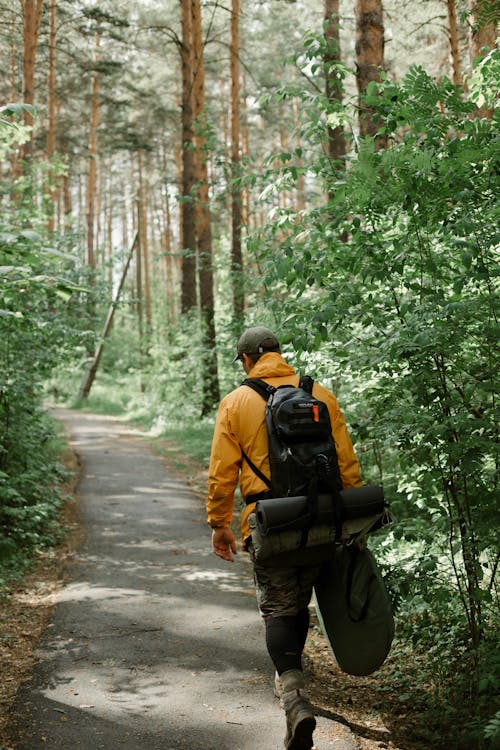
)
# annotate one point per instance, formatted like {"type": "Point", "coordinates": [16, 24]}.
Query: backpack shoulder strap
{"type": "Point", "coordinates": [306, 383]}
{"type": "Point", "coordinates": [265, 390]}
{"type": "Point", "coordinates": [260, 386]}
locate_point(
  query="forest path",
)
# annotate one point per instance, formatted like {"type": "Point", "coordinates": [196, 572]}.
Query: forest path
{"type": "Point", "coordinates": [154, 642]}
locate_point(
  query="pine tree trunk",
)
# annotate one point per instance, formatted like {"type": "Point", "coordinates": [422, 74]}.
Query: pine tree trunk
{"type": "Point", "coordinates": [483, 29]}
{"type": "Point", "coordinates": [236, 251]}
{"type": "Point", "coordinates": [67, 200]}
{"type": "Point", "coordinates": [188, 291]}
{"type": "Point", "coordinates": [211, 393]}
{"type": "Point", "coordinates": [245, 152]}
{"type": "Point", "coordinates": [13, 158]}
{"type": "Point", "coordinates": [109, 219]}
{"type": "Point", "coordinates": [32, 14]}
{"type": "Point", "coordinates": [143, 239]}
{"type": "Point", "coordinates": [334, 88]}
{"type": "Point", "coordinates": [51, 107]}
{"type": "Point", "coordinates": [483, 22]}
{"type": "Point", "coordinates": [369, 60]}
{"type": "Point", "coordinates": [300, 199]}
{"type": "Point", "coordinates": [92, 163]}
{"type": "Point", "coordinates": [454, 47]}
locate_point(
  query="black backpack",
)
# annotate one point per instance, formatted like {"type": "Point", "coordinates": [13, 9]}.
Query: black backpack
{"type": "Point", "coordinates": [302, 453]}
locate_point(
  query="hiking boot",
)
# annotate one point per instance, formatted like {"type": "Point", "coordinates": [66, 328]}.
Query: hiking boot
{"type": "Point", "coordinates": [300, 721]}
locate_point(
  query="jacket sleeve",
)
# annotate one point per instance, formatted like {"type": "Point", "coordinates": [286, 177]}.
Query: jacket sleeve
{"type": "Point", "coordinates": [348, 461]}
{"type": "Point", "coordinates": [225, 463]}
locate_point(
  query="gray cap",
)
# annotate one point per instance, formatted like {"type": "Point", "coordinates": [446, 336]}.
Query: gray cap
{"type": "Point", "coordinates": [256, 340]}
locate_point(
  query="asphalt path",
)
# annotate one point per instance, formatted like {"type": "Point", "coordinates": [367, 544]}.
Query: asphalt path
{"type": "Point", "coordinates": [155, 643]}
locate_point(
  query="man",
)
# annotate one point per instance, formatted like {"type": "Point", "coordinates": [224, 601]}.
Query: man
{"type": "Point", "coordinates": [283, 595]}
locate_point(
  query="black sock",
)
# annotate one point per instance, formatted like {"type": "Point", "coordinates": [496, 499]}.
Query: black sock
{"type": "Point", "coordinates": [285, 641]}
{"type": "Point", "coordinates": [303, 626]}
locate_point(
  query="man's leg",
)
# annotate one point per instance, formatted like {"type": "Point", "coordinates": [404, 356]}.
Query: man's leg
{"type": "Point", "coordinates": [283, 597]}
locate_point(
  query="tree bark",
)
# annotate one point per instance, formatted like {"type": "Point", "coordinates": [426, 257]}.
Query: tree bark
{"type": "Point", "coordinates": [483, 18]}
{"type": "Point", "coordinates": [89, 376]}
{"type": "Point", "coordinates": [51, 110]}
{"type": "Point", "coordinates": [188, 291]}
{"type": "Point", "coordinates": [454, 47]}
{"type": "Point", "coordinates": [92, 162]}
{"type": "Point", "coordinates": [236, 211]}
{"type": "Point", "coordinates": [13, 158]}
{"type": "Point", "coordinates": [369, 60]}
{"type": "Point", "coordinates": [300, 195]}
{"type": "Point", "coordinates": [211, 395]}
{"type": "Point", "coordinates": [32, 14]}
{"type": "Point", "coordinates": [143, 238]}
{"type": "Point", "coordinates": [334, 88]}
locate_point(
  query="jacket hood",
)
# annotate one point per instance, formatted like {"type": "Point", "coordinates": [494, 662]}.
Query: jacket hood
{"type": "Point", "coordinates": [271, 365]}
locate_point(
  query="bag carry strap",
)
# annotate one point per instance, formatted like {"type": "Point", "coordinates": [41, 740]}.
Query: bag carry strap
{"type": "Point", "coordinates": [260, 386]}
{"type": "Point", "coordinates": [265, 390]}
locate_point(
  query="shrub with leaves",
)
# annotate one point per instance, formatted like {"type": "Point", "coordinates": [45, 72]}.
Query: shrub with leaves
{"type": "Point", "coordinates": [394, 279]}
{"type": "Point", "coordinates": [37, 329]}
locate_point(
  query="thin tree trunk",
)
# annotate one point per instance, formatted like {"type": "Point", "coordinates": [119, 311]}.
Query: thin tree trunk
{"type": "Point", "coordinates": [369, 60]}
{"type": "Point", "coordinates": [109, 217]}
{"type": "Point", "coordinates": [138, 283]}
{"type": "Point", "coordinates": [236, 251]}
{"type": "Point", "coordinates": [211, 394]}
{"type": "Point", "coordinates": [188, 292]}
{"type": "Point", "coordinates": [169, 264]}
{"type": "Point", "coordinates": [245, 152]}
{"type": "Point", "coordinates": [14, 161]}
{"type": "Point", "coordinates": [334, 88]}
{"type": "Point", "coordinates": [143, 238]}
{"type": "Point", "coordinates": [300, 195]}
{"type": "Point", "coordinates": [454, 47]}
{"type": "Point", "coordinates": [92, 370]}
{"type": "Point", "coordinates": [92, 162]}
{"type": "Point", "coordinates": [51, 107]}
{"type": "Point", "coordinates": [67, 201]}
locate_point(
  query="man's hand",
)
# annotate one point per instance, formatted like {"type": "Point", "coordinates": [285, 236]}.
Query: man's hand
{"type": "Point", "coordinates": [223, 543]}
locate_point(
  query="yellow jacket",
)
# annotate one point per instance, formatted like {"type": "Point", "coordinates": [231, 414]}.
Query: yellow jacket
{"type": "Point", "coordinates": [240, 426]}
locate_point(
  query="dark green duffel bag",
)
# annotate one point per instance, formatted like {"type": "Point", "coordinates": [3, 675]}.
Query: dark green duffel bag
{"type": "Point", "coordinates": [354, 610]}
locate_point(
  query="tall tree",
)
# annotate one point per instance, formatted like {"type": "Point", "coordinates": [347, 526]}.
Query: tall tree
{"type": "Point", "coordinates": [51, 105]}
{"type": "Point", "coordinates": [92, 159]}
{"type": "Point", "coordinates": [369, 59]}
{"type": "Point", "coordinates": [32, 14]}
{"type": "Point", "coordinates": [336, 138]}
{"type": "Point", "coordinates": [211, 393]}
{"type": "Point", "coordinates": [143, 236]}
{"type": "Point", "coordinates": [236, 210]}
{"type": "Point", "coordinates": [188, 291]}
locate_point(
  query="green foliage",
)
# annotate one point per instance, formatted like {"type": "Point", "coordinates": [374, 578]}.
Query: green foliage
{"type": "Point", "coordinates": [38, 329]}
{"type": "Point", "coordinates": [393, 281]}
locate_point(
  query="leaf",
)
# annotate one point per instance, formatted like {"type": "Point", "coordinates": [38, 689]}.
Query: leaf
{"type": "Point", "coordinates": [17, 109]}
{"type": "Point", "coordinates": [63, 293]}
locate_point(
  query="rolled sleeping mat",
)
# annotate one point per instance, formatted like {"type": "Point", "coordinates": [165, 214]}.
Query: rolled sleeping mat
{"type": "Point", "coordinates": [290, 513]}
{"type": "Point", "coordinates": [359, 502]}
{"type": "Point", "coordinates": [275, 514]}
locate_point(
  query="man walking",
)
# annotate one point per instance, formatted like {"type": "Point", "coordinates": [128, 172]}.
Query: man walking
{"type": "Point", "coordinates": [283, 594]}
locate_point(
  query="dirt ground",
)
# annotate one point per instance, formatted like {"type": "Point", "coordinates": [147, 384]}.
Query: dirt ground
{"type": "Point", "coordinates": [24, 616]}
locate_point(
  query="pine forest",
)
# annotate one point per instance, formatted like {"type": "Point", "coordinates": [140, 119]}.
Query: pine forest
{"type": "Point", "coordinates": [174, 172]}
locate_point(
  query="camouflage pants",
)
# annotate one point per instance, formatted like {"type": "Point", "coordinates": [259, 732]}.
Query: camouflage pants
{"type": "Point", "coordinates": [284, 592]}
